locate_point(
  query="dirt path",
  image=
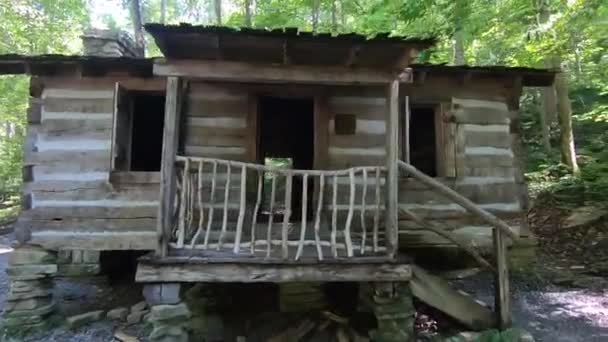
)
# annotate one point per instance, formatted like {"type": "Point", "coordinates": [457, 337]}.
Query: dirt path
{"type": "Point", "coordinates": [551, 313]}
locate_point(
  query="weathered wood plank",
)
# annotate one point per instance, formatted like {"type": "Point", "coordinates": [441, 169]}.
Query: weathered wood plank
{"type": "Point", "coordinates": [248, 273]}
{"type": "Point", "coordinates": [103, 240]}
{"type": "Point", "coordinates": [437, 293]}
{"type": "Point", "coordinates": [84, 209]}
{"type": "Point", "coordinates": [392, 176]}
{"type": "Point", "coordinates": [246, 72]}
{"type": "Point", "coordinates": [77, 105]}
{"type": "Point", "coordinates": [357, 140]}
{"type": "Point", "coordinates": [462, 201]}
{"type": "Point", "coordinates": [502, 295]}
{"type": "Point", "coordinates": [167, 179]}
{"type": "Point", "coordinates": [85, 224]}
{"type": "Point", "coordinates": [217, 107]}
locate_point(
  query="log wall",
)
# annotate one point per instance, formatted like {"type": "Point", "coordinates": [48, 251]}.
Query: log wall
{"type": "Point", "coordinates": [72, 200]}
{"type": "Point", "coordinates": [76, 202]}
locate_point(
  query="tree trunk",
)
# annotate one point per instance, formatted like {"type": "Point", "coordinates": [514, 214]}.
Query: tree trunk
{"type": "Point", "coordinates": [138, 32]}
{"type": "Point", "coordinates": [163, 11]}
{"type": "Point", "coordinates": [548, 110]}
{"type": "Point", "coordinates": [334, 17]}
{"type": "Point", "coordinates": [548, 100]}
{"type": "Point", "coordinates": [342, 15]}
{"type": "Point", "coordinates": [218, 12]}
{"type": "Point", "coordinates": [315, 14]}
{"type": "Point", "coordinates": [458, 47]}
{"type": "Point", "coordinates": [248, 21]}
{"type": "Point", "coordinates": [565, 121]}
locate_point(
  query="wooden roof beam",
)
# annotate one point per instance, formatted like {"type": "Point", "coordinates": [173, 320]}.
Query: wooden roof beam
{"type": "Point", "coordinates": [268, 73]}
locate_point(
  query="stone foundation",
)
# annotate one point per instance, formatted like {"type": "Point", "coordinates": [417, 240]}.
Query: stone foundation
{"type": "Point", "coordinates": [30, 298]}
{"type": "Point", "coordinates": [392, 304]}
{"type": "Point", "coordinates": [170, 318]}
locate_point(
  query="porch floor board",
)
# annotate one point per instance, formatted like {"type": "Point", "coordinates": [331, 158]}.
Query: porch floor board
{"type": "Point", "coordinates": [218, 266]}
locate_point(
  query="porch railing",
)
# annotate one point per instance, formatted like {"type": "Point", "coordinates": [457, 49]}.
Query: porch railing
{"type": "Point", "coordinates": [231, 206]}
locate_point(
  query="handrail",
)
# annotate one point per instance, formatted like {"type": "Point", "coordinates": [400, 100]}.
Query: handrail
{"type": "Point", "coordinates": [466, 203]}
{"type": "Point", "coordinates": [196, 205]}
{"type": "Point", "coordinates": [286, 172]}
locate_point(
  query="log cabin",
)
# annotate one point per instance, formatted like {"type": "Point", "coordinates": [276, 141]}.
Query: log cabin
{"type": "Point", "coordinates": [271, 156]}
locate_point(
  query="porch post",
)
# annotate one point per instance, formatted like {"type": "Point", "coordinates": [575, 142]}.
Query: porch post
{"type": "Point", "coordinates": [392, 175]}
{"type": "Point", "coordinates": [167, 170]}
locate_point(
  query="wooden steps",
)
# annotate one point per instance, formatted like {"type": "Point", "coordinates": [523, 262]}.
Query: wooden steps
{"type": "Point", "coordinates": [437, 293]}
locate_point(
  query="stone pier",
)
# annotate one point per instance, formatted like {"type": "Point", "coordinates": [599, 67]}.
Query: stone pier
{"type": "Point", "coordinates": [394, 309]}
{"type": "Point", "coordinates": [30, 299]}
{"type": "Point", "coordinates": [169, 316]}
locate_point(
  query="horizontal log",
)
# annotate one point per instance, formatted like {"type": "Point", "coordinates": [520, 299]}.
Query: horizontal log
{"type": "Point", "coordinates": [74, 209]}
{"type": "Point", "coordinates": [228, 153]}
{"type": "Point", "coordinates": [481, 211]}
{"type": "Point", "coordinates": [78, 105]}
{"type": "Point", "coordinates": [500, 106]}
{"type": "Point", "coordinates": [196, 131]}
{"type": "Point", "coordinates": [216, 140]}
{"type": "Point", "coordinates": [99, 87]}
{"type": "Point", "coordinates": [488, 160]}
{"type": "Point", "coordinates": [250, 273]}
{"type": "Point", "coordinates": [83, 225]}
{"type": "Point", "coordinates": [126, 193]}
{"type": "Point", "coordinates": [52, 90]}
{"type": "Point", "coordinates": [65, 185]}
{"type": "Point", "coordinates": [77, 127]}
{"type": "Point", "coordinates": [344, 162]}
{"type": "Point", "coordinates": [102, 240]}
{"type": "Point", "coordinates": [478, 193]}
{"type": "Point", "coordinates": [491, 139]}
{"type": "Point", "coordinates": [492, 173]}
{"type": "Point", "coordinates": [267, 73]}
{"type": "Point", "coordinates": [217, 107]}
{"type": "Point", "coordinates": [479, 116]}
{"type": "Point", "coordinates": [220, 91]}
{"type": "Point", "coordinates": [217, 122]}
{"type": "Point", "coordinates": [129, 177]}
{"type": "Point", "coordinates": [357, 140]}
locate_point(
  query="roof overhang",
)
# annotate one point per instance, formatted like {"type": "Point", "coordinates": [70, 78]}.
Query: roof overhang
{"type": "Point", "coordinates": [83, 66]}
{"type": "Point", "coordinates": [530, 77]}
{"type": "Point", "coordinates": [285, 47]}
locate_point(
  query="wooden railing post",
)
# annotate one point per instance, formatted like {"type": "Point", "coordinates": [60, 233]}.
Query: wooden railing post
{"type": "Point", "coordinates": [167, 174]}
{"type": "Point", "coordinates": [502, 299]}
{"type": "Point", "coordinates": [392, 174]}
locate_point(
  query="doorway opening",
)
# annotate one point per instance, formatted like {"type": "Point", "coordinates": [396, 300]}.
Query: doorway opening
{"type": "Point", "coordinates": [286, 140]}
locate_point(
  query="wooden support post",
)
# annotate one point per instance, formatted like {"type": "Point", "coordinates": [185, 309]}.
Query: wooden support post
{"type": "Point", "coordinates": [167, 175]}
{"type": "Point", "coordinates": [392, 175]}
{"type": "Point", "coordinates": [502, 299]}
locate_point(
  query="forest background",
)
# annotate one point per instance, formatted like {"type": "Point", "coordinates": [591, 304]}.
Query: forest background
{"type": "Point", "coordinates": [565, 127]}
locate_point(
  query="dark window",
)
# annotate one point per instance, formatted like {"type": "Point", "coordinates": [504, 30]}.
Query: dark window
{"type": "Point", "coordinates": [422, 139]}
{"type": "Point", "coordinates": [138, 130]}
{"type": "Point", "coordinates": [147, 132]}
{"type": "Point", "coordinates": [345, 124]}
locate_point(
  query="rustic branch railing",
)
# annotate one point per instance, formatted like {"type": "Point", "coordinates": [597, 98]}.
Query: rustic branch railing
{"type": "Point", "coordinates": [208, 188]}
{"type": "Point", "coordinates": [501, 230]}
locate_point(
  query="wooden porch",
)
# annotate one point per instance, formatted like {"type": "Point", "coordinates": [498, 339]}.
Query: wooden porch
{"type": "Point", "coordinates": [214, 227]}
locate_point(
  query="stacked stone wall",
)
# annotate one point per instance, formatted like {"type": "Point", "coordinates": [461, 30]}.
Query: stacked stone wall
{"type": "Point", "coordinates": [30, 299]}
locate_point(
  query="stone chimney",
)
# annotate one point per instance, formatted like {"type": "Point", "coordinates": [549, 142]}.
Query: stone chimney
{"type": "Point", "coordinates": [110, 43]}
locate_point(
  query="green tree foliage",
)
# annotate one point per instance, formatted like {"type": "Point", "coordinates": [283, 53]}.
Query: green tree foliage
{"type": "Point", "coordinates": [575, 33]}
{"type": "Point", "coordinates": [30, 27]}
